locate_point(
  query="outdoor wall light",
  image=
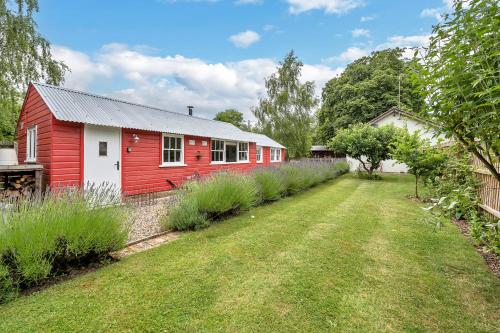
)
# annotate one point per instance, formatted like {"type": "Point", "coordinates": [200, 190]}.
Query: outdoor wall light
{"type": "Point", "coordinates": [198, 155]}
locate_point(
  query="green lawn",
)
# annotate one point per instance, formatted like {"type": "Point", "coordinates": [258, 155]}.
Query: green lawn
{"type": "Point", "coordinates": [350, 255]}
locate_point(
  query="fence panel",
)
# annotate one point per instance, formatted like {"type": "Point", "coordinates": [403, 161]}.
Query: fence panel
{"type": "Point", "coordinates": [489, 189]}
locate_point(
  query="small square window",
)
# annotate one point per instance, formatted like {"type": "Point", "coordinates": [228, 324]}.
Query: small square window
{"type": "Point", "coordinates": [103, 148]}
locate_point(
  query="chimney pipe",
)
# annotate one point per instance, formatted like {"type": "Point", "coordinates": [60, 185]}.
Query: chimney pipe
{"type": "Point", "coordinates": [190, 110]}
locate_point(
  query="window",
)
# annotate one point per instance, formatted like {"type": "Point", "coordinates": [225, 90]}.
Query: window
{"type": "Point", "coordinates": [173, 150]}
{"type": "Point", "coordinates": [217, 151]}
{"type": "Point", "coordinates": [31, 144]}
{"type": "Point", "coordinates": [259, 154]}
{"type": "Point", "coordinates": [229, 152]}
{"type": "Point", "coordinates": [243, 151]}
{"type": "Point", "coordinates": [275, 154]}
{"type": "Point", "coordinates": [103, 148]}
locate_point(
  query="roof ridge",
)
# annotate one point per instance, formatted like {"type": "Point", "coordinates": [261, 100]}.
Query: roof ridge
{"type": "Point", "coordinates": [127, 102]}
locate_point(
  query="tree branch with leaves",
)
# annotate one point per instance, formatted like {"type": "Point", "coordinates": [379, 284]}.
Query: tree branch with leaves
{"type": "Point", "coordinates": [367, 144]}
{"type": "Point", "coordinates": [25, 56]}
{"type": "Point", "coordinates": [459, 76]}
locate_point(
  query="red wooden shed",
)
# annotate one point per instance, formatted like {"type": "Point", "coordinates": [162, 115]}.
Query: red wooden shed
{"type": "Point", "coordinates": [82, 138]}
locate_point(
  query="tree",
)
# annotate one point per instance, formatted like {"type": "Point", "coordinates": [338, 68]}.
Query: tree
{"type": "Point", "coordinates": [24, 56]}
{"type": "Point", "coordinates": [368, 87]}
{"type": "Point", "coordinates": [368, 144]}
{"type": "Point", "coordinates": [286, 114]}
{"type": "Point", "coordinates": [459, 76]}
{"type": "Point", "coordinates": [231, 116]}
{"type": "Point", "coordinates": [422, 159]}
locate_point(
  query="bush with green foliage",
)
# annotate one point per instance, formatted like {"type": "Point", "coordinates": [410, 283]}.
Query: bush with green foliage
{"type": "Point", "coordinates": [225, 194]}
{"type": "Point", "coordinates": [270, 185]}
{"type": "Point", "coordinates": [185, 215]}
{"type": "Point", "coordinates": [455, 196]}
{"type": "Point", "coordinates": [211, 199]}
{"type": "Point", "coordinates": [42, 237]}
{"type": "Point", "coordinates": [423, 160]}
{"type": "Point", "coordinates": [7, 289]}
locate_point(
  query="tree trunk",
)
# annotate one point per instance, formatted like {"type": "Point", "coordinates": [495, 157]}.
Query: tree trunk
{"type": "Point", "coordinates": [416, 186]}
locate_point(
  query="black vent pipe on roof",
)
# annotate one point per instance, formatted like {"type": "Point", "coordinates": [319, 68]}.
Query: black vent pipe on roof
{"type": "Point", "coordinates": [190, 110]}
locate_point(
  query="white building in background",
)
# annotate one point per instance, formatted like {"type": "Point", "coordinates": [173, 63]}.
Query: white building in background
{"type": "Point", "coordinates": [400, 118]}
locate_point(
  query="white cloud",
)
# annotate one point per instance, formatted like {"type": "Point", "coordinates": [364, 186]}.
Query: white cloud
{"type": "Point", "coordinates": [328, 6]}
{"type": "Point", "coordinates": [320, 74]}
{"type": "Point", "coordinates": [360, 33]}
{"type": "Point", "coordinates": [244, 39]}
{"type": "Point", "coordinates": [349, 55]}
{"type": "Point", "coordinates": [367, 18]}
{"type": "Point", "coordinates": [83, 70]}
{"type": "Point", "coordinates": [174, 81]}
{"type": "Point", "coordinates": [436, 13]}
{"type": "Point", "coordinates": [405, 41]}
{"type": "Point", "coordinates": [439, 12]}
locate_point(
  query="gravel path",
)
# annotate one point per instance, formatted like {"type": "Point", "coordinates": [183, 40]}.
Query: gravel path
{"type": "Point", "coordinates": [144, 218]}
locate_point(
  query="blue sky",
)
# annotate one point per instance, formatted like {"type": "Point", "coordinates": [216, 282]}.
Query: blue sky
{"type": "Point", "coordinates": [216, 54]}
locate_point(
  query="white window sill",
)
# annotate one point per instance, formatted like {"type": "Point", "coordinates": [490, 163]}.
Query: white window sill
{"type": "Point", "coordinates": [29, 161]}
{"type": "Point", "coordinates": [223, 163]}
{"type": "Point", "coordinates": [260, 161]}
{"type": "Point", "coordinates": [275, 161]}
{"type": "Point", "coordinates": [172, 165]}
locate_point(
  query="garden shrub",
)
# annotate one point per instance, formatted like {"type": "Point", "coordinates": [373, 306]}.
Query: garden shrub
{"type": "Point", "coordinates": [338, 169]}
{"type": "Point", "coordinates": [46, 236]}
{"type": "Point", "coordinates": [185, 215]}
{"type": "Point", "coordinates": [300, 176]}
{"type": "Point", "coordinates": [455, 195]}
{"type": "Point", "coordinates": [225, 194]}
{"type": "Point", "coordinates": [296, 178]}
{"type": "Point", "coordinates": [7, 290]}
{"type": "Point", "coordinates": [270, 185]}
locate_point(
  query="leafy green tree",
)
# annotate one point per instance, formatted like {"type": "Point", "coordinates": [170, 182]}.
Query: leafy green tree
{"type": "Point", "coordinates": [24, 56]}
{"type": "Point", "coordinates": [423, 160]}
{"type": "Point", "coordinates": [368, 144]}
{"type": "Point", "coordinates": [231, 116]}
{"type": "Point", "coordinates": [368, 87]}
{"type": "Point", "coordinates": [286, 114]}
{"type": "Point", "coordinates": [459, 75]}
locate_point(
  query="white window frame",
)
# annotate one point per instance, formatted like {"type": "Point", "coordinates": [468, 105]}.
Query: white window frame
{"type": "Point", "coordinates": [230, 142]}
{"type": "Point", "coordinates": [243, 151]}
{"type": "Point", "coordinates": [31, 143]}
{"type": "Point", "coordinates": [259, 154]}
{"type": "Point", "coordinates": [223, 150]}
{"type": "Point", "coordinates": [172, 164]}
{"type": "Point", "coordinates": [275, 154]}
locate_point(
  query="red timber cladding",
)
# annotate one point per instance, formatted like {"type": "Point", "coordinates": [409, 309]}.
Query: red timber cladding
{"type": "Point", "coordinates": [67, 154]}
{"type": "Point", "coordinates": [141, 171]}
{"type": "Point", "coordinates": [36, 113]}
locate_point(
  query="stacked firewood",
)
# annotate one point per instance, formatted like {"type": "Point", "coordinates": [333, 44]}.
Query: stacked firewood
{"type": "Point", "coordinates": [17, 186]}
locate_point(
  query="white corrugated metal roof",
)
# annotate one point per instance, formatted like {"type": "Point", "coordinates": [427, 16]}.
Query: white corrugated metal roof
{"type": "Point", "coordinates": [265, 141]}
{"type": "Point", "coordinates": [72, 105]}
{"type": "Point", "coordinates": [319, 148]}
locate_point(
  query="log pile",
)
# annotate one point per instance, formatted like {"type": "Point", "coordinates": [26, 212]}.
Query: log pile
{"type": "Point", "coordinates": [16, 186]}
